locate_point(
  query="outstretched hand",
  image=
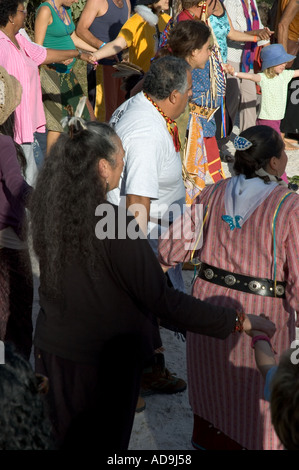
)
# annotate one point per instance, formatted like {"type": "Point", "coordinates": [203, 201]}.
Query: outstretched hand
{"type": "Point", "coordinates": [89, 58]}
{"type": "Point", "coordinates": [261, 322]}
{"type": "Point", "coordinates": [228, 69]}
{"type": "Point", "coordinates": [265, 33]}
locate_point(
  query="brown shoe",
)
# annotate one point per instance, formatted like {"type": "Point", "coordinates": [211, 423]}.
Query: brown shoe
{"type": "Point", "coordinates": [140, 405]}
{"type": "Point", "coordinates": [158, 379]}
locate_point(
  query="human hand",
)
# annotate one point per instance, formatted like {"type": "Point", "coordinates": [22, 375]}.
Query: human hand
{"type": "Point", "coordinates": [228, 69]}
{"type": "Point", "coordinates": [89, 58]}
{"type": "Point", "coordinates": [67, 61]}
{"type": "Point", "coordinates": [252, 333]}
{"type": "Point", "coordinates": [260, 323]}
{"type": "Point", "coordinates": [265, 33]}
{"type": "Point", "coordinates": [165, 268]}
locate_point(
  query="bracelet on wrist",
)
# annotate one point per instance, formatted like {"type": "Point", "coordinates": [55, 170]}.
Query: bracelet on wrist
{"type": "Point", "coordinates": [102, 45]}
{"type": "Point", "coordinates": [257, 338]}
{"type": "Point", "coordinates": [240, 317]}
{"type": "Point", "coordinates": [80, 53]}
{"type": "Point", "coordinates": [235, 74]}
{"type": "Point", "coordinates": [254, 38]}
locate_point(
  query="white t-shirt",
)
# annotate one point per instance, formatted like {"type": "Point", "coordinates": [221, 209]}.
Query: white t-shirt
{"type": "Point", "coordinates": [152, 168]}
{"type": "Point", "coordinates": [235, 11]}
{"type": "Point", "coordinates": [274, 95]}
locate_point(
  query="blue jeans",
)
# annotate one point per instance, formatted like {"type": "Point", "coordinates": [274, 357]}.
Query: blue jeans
{"type": "Point", "coordinates": [40, 148]}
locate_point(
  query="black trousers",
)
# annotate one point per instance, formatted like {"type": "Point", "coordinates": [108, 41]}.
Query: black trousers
{"type": "Point", "coordinates": [93, 406]}
{"type": "Point", "coordinates": [290, 122]}
{"type": "Point", "coordinates": [16, 298]}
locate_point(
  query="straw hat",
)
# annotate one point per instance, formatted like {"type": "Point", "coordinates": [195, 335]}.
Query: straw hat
{"type": "Point", "coordinates": [10, 94]}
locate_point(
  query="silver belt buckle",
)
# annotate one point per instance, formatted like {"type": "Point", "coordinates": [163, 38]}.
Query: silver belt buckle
{"type": "Point", "coordinates": [209, 273]}
{"type": "Point", "coordinates": [230, 280]}
{"type": "Point", "coordinates": [254, 286]}
{"type": "Point", "coordinates": [279, 290]}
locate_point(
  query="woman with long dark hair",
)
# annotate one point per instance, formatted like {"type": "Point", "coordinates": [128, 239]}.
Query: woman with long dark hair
{"type": "Point", "coordinates": [24, 421]}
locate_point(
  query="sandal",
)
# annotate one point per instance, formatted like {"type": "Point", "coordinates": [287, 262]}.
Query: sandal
{"type": "Point", "coordinates": [289, 146]}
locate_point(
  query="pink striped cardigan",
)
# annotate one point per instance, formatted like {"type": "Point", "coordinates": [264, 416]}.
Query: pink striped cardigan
{"type": "Point", "coordinates": [225, 387]}
{"type": "Point", "coordinates": [23, 65]}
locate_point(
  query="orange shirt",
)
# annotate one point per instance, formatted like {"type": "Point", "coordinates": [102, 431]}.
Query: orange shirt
{"type": "Point", "coordinates": [141, 39]}
{"type": "Point", "coordinates": [293, 33]}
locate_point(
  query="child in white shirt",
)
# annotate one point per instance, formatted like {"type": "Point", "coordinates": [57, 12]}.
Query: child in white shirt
{"type": "Point", "coordinates": [273, 80]}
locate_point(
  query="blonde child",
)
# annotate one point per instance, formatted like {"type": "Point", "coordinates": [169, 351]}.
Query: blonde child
{"type": "Point", "coordinates": [273, 80]}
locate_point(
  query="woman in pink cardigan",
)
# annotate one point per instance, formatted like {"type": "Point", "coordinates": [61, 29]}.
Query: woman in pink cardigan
{"type": "Point", "coordinates": [21, 58]}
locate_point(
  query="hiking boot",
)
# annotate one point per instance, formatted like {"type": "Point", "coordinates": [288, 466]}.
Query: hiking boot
{"type": "Point", "coordinates": [140, 405]}
{"type": "Point", "coordinates": [158, 379]}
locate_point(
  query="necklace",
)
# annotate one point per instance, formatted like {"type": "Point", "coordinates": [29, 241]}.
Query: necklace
{"type": "Point", "coordinates": [170, 123]}
{"type": "Point", "coordinates": [63, 16]}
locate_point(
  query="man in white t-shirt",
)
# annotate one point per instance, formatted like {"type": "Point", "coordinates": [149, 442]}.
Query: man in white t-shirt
{"type": "Point", "coordinates": [152, 175]}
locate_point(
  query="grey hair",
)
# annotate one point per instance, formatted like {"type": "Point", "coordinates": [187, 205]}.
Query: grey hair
{"type": "Point", "coordinates": [102, 139]}
{"type": "Point", "coordinates": [166, 75]}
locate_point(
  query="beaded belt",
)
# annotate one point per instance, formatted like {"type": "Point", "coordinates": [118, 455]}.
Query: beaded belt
{"type": "Point", "coordinates": [202, 111]}
{"type": "Point", "coordinates": [248, 284]}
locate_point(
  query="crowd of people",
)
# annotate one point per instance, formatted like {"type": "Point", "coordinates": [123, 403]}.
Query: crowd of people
{"type": "Point", "coordinates": [108, 188]}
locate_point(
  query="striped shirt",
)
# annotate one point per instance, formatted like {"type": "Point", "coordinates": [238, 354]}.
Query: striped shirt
{"type": "Point", "coordinates": [225, 387]}
{"type": "Point", "coordinates": [23, 65]}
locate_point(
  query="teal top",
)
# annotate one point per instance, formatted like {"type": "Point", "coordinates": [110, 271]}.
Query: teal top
{"type": "Point", "coordinates": [221, 28]}
{"type": "Point", "coordinates": [58, 36]}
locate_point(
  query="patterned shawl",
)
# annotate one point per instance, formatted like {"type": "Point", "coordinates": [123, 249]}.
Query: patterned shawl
{"type": "Point", "coordinates": [249, 48]}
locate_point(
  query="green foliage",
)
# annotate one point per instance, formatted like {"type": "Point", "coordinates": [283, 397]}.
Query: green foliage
{"type": "Point", "coordinates": [77, 9]}
{"type": "Point", "coordinates": [32, 6]}
{"type": "Point", "coordinates": [270, 2]}
{"type": "Point", "coordinates": [294, 179]}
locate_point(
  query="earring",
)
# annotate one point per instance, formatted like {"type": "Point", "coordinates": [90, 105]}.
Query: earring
{"type": "Point", "coordinates": [107, 186]}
